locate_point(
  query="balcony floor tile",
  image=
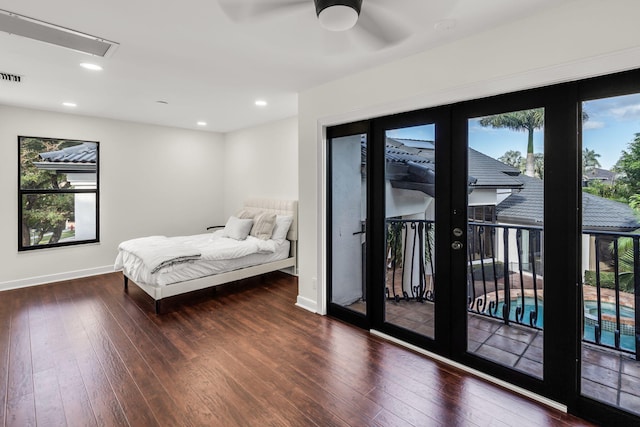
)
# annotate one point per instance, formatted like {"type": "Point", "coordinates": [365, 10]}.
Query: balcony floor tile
{"type": "Point", "coordinates": [517, 333]}
{"type": "Point", "coordinates": [497, 354]}
{"type": "Point", "coordinates": [630, 401]}
{"type": "Point", "coordinates": [530, 366]}
{"type": "Point", "coordinates": [631, 367]}
{"type": "Point", "coordinates": [599, 392]}
{"type": "Point", "coordinates": [507, 344]}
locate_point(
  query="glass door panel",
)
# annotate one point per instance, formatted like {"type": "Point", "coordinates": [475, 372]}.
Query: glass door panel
{"type": "Point", "coordinates": [610, 370]}
{"type": "Point", "coordinates": [348, 218]}
{"type": "Point", "coordinates": [505, 269]}
{"type": "Point", "coordinates": [410, 228]}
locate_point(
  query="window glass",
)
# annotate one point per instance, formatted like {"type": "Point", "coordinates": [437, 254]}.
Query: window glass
{"type": "Point", "coordinates": [58, 188]}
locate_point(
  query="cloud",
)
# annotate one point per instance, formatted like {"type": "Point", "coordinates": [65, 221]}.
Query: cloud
{"type": "Point", "coordinates": [593, 124]}
{"type": "Point", "coordinates": [627, 112]}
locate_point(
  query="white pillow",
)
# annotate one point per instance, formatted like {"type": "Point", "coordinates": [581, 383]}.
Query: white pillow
{"type": "Point", "coordinates": [237, 228]}
{"type": "Point", "coordinates": [283, 222]}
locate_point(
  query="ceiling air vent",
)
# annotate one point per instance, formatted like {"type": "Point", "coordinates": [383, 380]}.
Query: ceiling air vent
{"type": "Point", "coordinates": [24, 26]}
{"type": "Point", "coordinates": [10, 77]}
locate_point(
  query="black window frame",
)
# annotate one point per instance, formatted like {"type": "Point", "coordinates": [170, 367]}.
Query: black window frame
{"type": "Point", "coordinates": [25, 191]}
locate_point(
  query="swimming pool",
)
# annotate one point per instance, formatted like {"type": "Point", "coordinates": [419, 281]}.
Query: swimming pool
{"type": "Point", "coordinates": [608, 310]}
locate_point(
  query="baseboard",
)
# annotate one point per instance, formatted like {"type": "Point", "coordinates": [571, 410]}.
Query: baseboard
{"type": "Point", "coordinates": [521, 391]}
{"type": "Point", "coordinates": [51, 278]}
{"type": "Point", "coordinates": [307, 304]}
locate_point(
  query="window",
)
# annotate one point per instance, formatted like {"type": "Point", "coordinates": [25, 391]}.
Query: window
{"type": "Point", "coordinates": [57, 192]}
{"type": "Point", "coordinates": [482, 240]}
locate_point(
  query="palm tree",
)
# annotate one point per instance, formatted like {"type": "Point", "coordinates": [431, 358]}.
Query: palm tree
{"type": "Point", "coordinates": [589, 160]}
{"type": "Point", "coordinates": [525, 120]}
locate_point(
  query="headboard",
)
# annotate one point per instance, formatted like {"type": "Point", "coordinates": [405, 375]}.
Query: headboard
{"type": "Point", "coordinates": [280, 207]}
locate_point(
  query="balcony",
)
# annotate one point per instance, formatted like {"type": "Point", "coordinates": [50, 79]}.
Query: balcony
{"type": "Point", "coordinates": [505, 299]}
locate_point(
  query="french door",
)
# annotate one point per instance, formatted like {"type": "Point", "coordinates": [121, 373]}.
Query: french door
{"type": "Point", "coordinates": [425, 244]}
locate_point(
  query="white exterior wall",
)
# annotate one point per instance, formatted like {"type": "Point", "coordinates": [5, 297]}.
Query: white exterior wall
{"type": "Point", "coordinates": [153, 180]}
{"type": "Point", "coordinates": [85, 216]}
{"type": "Point", "coordinates": [401, 202]}
{"type": "Point", "coordinates": [481, 197]}
{"type": "Point", "coordinates": [575, 40]}
{"type": "Point", "coordinates": [84, 206]}
{"type": "Point", "coordinates": [588, 248]}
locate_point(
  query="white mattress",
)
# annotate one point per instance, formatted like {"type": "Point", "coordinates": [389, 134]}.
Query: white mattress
{"type": "Point", "coordinates": [135, 269]}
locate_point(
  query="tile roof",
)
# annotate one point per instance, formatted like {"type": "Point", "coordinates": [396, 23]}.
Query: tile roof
{"type": "Point", "coordinates": [413, 167]}
{"type": "Point", "coordinates": [397, 151]}
{"type": "Point", "coordinates": [527, 207]}
{"type": "Point", "coordinates": [81, 153]}
{"type": "Point", "coordinates": [491, 173]}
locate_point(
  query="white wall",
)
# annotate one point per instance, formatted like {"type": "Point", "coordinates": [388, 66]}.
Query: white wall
{"type": "Point", "coordinates": [153, 180]}
{"type": "Point", "coordinates": [576, 39]}
{"type": "Point", "coordinates": [261, 162]}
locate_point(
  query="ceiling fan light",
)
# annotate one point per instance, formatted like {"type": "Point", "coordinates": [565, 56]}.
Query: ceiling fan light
{"type": "Point", "coordinates": [338, 15]}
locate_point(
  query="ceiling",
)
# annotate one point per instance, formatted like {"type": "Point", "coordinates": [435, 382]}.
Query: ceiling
{"type": "Point", "coordinates": [208, 62]}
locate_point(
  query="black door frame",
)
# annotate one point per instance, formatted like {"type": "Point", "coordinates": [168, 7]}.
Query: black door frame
{"type": "Point", "coordinates": [335, 310]}
{"type": "Point", "coordinates": [562, 346]}
{"type": "Point", "coordinates": [618, 84]}
{"type": "Point", "coordinates": [440, 116]}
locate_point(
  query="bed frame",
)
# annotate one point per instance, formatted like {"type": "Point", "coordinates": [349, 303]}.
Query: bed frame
{"type": "Point", "coordinates": [280, 207]}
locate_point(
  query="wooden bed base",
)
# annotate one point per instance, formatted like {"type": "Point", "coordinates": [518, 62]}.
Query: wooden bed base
{"type": "Point", "coordinates": [158, 293]}
{"type": "Point", "coordinates": [282, 207]}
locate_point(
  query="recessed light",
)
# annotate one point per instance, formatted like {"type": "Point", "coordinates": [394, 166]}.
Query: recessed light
{"type": "Point", "coordinates": [90, 66]}
{"type": "Point", "coordinates": [69, 104]}
{"type": "Point", "coordinates": [261, 103]}
{"type": "Point", "coordinates": [201, 123]}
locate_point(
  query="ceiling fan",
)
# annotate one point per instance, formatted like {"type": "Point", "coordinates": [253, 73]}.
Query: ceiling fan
{"type": "Point", "coordinates": [366, 17]}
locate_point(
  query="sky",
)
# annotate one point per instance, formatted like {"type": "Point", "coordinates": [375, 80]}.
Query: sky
{"type": "Point", "coordinates": [612, 125]}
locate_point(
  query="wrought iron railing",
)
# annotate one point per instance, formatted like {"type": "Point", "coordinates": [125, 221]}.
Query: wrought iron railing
{"type": "Point", "coordinates": [611, 319]}
{"type": "Point", "coordinates": [410, 263]}
{"type": "Point", "coordinates": [505, 279]}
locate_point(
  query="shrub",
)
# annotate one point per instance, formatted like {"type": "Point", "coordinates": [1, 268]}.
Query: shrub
{"type": "Point", "coordinates": [608, 280]}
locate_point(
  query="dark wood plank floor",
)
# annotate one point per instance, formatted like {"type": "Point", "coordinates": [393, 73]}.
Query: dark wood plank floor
{"type": "Point", "coordinates": [85, 353]}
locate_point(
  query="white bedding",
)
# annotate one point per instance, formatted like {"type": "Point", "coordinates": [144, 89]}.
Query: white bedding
{"type": "Point", "coordinates": [217, 255]}
{"type": "Point", "coordinates": [158, 252]}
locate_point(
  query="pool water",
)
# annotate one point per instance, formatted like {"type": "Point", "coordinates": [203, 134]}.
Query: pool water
{"type": "Point", "coordinates": [627, 341]}
{"type": "Point", "coordinates": [529, 307]}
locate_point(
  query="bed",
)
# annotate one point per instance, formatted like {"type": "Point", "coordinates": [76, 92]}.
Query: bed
{"type": "Point", "coordinates": [168, 266]}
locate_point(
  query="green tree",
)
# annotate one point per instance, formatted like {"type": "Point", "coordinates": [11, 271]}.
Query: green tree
{"type": "Point", "coordinates": [629, 165]}
{"type": "Point", "coordinates": [526, 121]}
{"type": "Point", "coordinates": [617, 191]}
{"type": "Point", "coordinates": [42, 214]}
{"type": "Point", "coordinates": [512, 158]}
{"type": "Point", "coordinates": [538, 165]}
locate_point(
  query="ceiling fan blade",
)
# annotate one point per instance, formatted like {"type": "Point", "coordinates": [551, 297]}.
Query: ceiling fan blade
{"type": "Point", "coordinates": [244, 10]}
{"type": "Point", "coordinates": [377, 30]}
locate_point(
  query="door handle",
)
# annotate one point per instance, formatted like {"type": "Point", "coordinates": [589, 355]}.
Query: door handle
{"type": "Point", "coordinates": [456, 245]}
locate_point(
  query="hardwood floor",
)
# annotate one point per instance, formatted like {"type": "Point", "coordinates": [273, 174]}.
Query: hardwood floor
{"type": "Point", "coordinates": [84, 353]}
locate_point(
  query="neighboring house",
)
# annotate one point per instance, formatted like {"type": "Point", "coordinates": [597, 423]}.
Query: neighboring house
{"type": "Point", "coordinates": [596, 174]}
{"type": "Point", "coordinates": [79, 163]}
{"type": "Point", "coordinates": [499, 194]}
